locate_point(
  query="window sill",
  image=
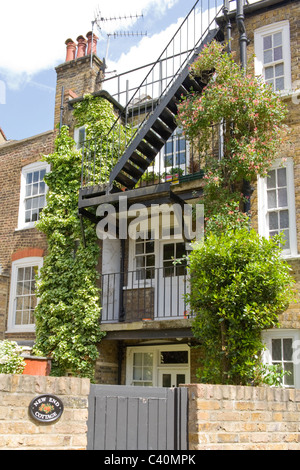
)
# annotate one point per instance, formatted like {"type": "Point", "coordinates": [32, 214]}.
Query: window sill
{"type": "Point", "coordinates": [25, 227]}
{"type": "Point", "coordinates": [29, 329]}
{"type": "Point", "coordinates": [290, 257]}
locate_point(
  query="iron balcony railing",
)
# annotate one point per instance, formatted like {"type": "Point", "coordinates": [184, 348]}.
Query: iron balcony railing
{"type": "Point", "coordinates": [102, 155]}
{"type": "Point", "coordinates": [178, 161]}
{"type": "Point", "coordinates": [145, 294]}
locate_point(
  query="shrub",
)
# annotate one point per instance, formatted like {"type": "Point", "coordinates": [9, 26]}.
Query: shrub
{"type": "Point", "coordinates": [10, 360]}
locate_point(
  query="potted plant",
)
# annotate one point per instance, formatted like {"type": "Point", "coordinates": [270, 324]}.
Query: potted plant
{"type": "Point", "coordinates": [173, 174]}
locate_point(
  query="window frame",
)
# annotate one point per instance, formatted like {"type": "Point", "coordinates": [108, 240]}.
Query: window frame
{"type": "Point", "coordinates": [263, 227]}
{"type": "Point", "coordinates": [157, 365]}
{"type": "Point", "coordinates": [32, 167]}
{"type": "Point", "coordinates": [259, 34]}
{"type": "Point", "coordinates": [20, 263]}
{"type": "Point", "coordinates": [294, 334]}
{"type": "Point", "coordinates": [77, 131]}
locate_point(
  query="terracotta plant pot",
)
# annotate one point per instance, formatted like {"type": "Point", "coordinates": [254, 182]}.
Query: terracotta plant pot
{"type": "Point", "coordinates": [37, 365]}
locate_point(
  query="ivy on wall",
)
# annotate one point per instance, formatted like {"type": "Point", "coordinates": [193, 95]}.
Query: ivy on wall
{"type": "Point", "coordinates": [68, 312]}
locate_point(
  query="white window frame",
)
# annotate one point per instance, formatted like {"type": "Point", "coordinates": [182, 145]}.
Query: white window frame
{"type": "Point", "coordinates": [37, 166]}
{"type": "Point", "coordinates": [159, 165]}
{"type": "Point", "coordinates": [294, 334]}
{"type": "Point", "coordinates": [158, 257]}
{"type": "Point", "coordinates": [263, 228]}
{"type": "Point", "coordinates": [284, 28]}
{"type": "Point", "coordinates": [77, 130]}
{"type": "Point", "coordinates": [20, 263]}
{"type": "Point", "coordinates": [157, 366]}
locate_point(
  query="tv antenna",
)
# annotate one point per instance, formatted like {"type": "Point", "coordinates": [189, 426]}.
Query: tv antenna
{"type": "Point", "coordinates": [100, 19]}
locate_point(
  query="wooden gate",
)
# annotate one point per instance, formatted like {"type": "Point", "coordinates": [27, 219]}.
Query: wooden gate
{"type": "Point", "coordinates": [137, 418]}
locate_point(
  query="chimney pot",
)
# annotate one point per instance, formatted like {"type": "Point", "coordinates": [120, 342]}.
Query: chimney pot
{"type": "Point", "coordinates": [89, 46]}
{"type": "Point", "coordinates": [71, 49]}
{"type": "Point", "coordinates": [81, 46]}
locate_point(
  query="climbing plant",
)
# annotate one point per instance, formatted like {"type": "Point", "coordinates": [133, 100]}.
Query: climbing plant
{"type": "Point", "coordinates": [249, 117]}
{"type": "Point", "coordinates": [68, 312]}
{"type": "Point", "coordinates": [239, 282]}
{"type": "Point", "coordinates": [104, 142]}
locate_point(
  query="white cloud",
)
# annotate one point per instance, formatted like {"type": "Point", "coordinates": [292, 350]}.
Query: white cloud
{"type": "Point", "coordinates": [33, 32]}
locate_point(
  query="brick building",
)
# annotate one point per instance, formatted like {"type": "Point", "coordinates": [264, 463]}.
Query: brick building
{"type": "Point", "coordinates": [148, 330]}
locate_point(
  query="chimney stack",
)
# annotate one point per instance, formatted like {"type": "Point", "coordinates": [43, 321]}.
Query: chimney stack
{"type": "Point", "coordinates": [91, 47]}
{"type": "Point", "coordinates": [71, 50]}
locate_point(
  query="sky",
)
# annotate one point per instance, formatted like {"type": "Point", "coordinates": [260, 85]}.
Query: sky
{"type": "Point", "coordinates": [33, 35]}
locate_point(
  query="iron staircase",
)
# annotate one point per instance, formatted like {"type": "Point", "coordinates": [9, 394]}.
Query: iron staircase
{"type": "Point", "coordinates": [157, 117]}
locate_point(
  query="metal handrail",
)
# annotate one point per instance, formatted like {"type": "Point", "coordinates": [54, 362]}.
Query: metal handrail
{"type": "Point", "coordinates": [145, 99]}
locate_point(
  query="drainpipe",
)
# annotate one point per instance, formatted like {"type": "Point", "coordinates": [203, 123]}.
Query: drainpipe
{"type": "Point", "coordinates": [121, 292]}
{"type": "Point", "coordinates": [247, 188]}
{"type": "Point", "coordinates": [242, 30]}
{"type": "Point", "coordinates": [228, 24]}
{"type": "Point", "coordinates": [61, 108]}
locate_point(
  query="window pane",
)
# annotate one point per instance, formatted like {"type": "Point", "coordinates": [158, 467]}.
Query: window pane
{"type": "Point", "coordinates": [277, 39]}
{"type": "Point", "coordinates": [180, 379]}
{"type": "Point", "coordinates": [137, 373]}
{"type": "Point", "coordinates": [168, 251]}
{"type": "Point", "coordinates": [166, 380]}
{"type": "Point", "coordinates": [286, 239]}
{"type": "Point", "coordinates": [282, 197]}
{"type": "Point", "coordinates": [271, 180]}
{"type": "Point", "coordinates": [148, 359]}
{"type": "Point", "coordinates": [20, 274]}
{"type": "Point", "coordinates": [149, 247]}
{"type": "Point", "coordinates": [150, 261]}
{"type": "Point", "coordinates": [279, 73]}
{"type": "Point", "coordinates": [139, 248]}
{"type": "Point", "coordinates": [273, 220]}
{"type": "Point", "coordinates": [284, 219]}
{"type": "Point", "coordinates": [174, 357]}
{"type": "Point", "coordinates": [147, 373]}
{"type": "Point", "coordinates": [276, 350]}
{"type": "Point", "coordinates": [278, 53]}
{"type": "Point", "coordinates": [36, 176]}
{"type": "Point", "coordinates": [140, 262]}
{"type": "Point", "coordinates": [35, 203]}
{"type": "Point", "coordinates": [269, 73]}
{"type": "Point", "coordinates": [268, 56]}
{"type": "Point", "coordinates": [287, 349]}
{"type": "Point", "coordinates": [180, 250]}
{"type": "Point", "coordinates": [267, 41]}
{"type": "Point", "coordinates": [169, 146]}
{"type": "Point", "coordinates": [28, 190]}
{"type": "Point", "coordinates": [28, 204]}
{"type": "Point", "coordinates": [272, 200]}
{"type": "Point", "coordinates": [273, 233]}
{"type": "Point", "coordinates": [279, 84]}
{"type": "Point", "coordinates": [281, 174]}
{"type": "Point", "coordinates": [35, 189]}
{"type": "Point", "coordinates": [18, 318]}
{"type": "Point", "coordinates": [289, 378]}
{"type": "Point", "coordinates": [137, 359]}
{"type": "Point", "coordinates": [41, 187]}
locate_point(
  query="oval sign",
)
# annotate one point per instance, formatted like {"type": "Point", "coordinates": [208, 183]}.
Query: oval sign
{"type": "Point", "coordinates": [46, 408]}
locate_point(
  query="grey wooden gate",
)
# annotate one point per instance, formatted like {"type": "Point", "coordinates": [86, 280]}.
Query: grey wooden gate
{"type": "Point", "coordinates": [137, 418]}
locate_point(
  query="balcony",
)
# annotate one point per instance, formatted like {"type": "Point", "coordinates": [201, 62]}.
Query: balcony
{"type": "Point", "coordinates": [145, 294]}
